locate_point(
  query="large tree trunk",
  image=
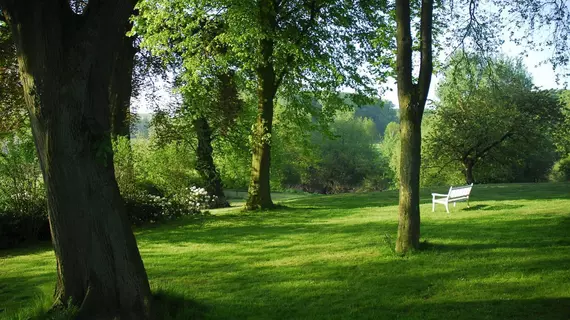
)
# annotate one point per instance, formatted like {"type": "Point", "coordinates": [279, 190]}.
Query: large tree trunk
{"type": "Point", "coordinates": [412, 99]}
{"type": "Point", "coordinates": [66, 66]}
{"type": "Point", "coordinates": [205, 163]}
{"type": "Point", "coordinates": [259, 194]}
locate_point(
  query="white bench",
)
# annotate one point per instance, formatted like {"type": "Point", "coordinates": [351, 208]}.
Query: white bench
{"type": "Point", "coordinates": [454, 195]}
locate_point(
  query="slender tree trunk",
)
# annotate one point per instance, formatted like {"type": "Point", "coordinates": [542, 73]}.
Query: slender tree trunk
{"type": "Point", "coordinates": [205, 163]}
{"type": "Point", "coordinates": [412, 99]}
{"type": "Point", "coordinates": [468, 165]}
{"type": "Point", "coordinates": [259, 194]}
{"type": "Point", "coordinates": [66, 66]}
{"type": "Point", "coordinates": [410, 161]}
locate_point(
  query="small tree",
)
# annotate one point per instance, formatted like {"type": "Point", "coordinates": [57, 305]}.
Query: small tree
{"type": "Point", "coordinates": [488, 110]}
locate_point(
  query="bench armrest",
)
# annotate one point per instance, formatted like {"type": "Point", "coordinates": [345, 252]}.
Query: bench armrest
{"type": "Point", "coordinates": [439, 195]}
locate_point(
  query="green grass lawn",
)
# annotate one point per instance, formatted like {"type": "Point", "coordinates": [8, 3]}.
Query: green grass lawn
{"type": "Point", "coordinates": [330, 257]}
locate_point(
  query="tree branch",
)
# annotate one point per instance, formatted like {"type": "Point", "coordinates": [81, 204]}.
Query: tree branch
{"type": "Point", "coordinates": [482, 153]}
{"type": "Point", "coordinates": [426, 64]}
{"type": "Point", "coordinates": [404, 50]}
{"type": "Point", "coordinates": [314, 9]}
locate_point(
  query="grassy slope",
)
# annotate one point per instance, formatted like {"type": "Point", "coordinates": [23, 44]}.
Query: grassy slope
{"type": "Point", "coordinates": [327, 257]}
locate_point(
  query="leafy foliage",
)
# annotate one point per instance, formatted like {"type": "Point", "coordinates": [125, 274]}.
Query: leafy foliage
{"type": "Point", "coordinates": [13, 115]}
{"type": "Point", "coordinates": [324, 41]}
{"type": "Point", "coordinates": [346, 160]}
{"type": "Point", "coordinates": [561, 170]}
{"type": "Point", "coordinates": [382, 113]}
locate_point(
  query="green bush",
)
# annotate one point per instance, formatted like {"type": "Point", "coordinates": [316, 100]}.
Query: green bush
{"type": "Point", "coordinates": [23, 209]}
{"type": "Point", "coordinates": [21, 226]}
{"type": "Point", "coordinates": [165, 169]}
{"type": "Point", "coordinates": [561, 170]}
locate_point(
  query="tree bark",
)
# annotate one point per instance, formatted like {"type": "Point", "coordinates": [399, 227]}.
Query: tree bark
{"type": "Point", "coordinates": [410, 161]}
{"type": "Point", "coordinates": [412, 99]}
{"type": "Point", "coordinates": [205, 163]}
{"type": "Point", "coordinates": [66, 67]}
{"type": "Point", "coordinates": [259, 194]}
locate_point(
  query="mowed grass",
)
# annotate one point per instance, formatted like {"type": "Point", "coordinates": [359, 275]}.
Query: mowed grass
{"type": "Point", "coordinates": [330, 257]}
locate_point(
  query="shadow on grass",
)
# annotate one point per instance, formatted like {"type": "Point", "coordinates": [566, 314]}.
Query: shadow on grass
{"type": "Point", "coordinates": [374, 289]}
{"type": "Point", "coordinates": [450, 247]}
{"type": "Point", "coordinates": [486, 207]}
{"type": "Point", "coordinates": [476, 207]}
{"type": "Point", "coordinates": [21, 298]}
{"type": "Point", "coordinates": [348, 200]}
{"type": "Point", "coordinates": [547, 308]}
{"type": "Point", "coordinates": [503, 207]}
{"type": "Point", "coordinates": [27, 249]}
{"type": "Point", "coordinates": [171, 306]}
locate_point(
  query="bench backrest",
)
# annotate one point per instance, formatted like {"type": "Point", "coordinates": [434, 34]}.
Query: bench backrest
{"type": "Point", "coordinates": [459, 192]}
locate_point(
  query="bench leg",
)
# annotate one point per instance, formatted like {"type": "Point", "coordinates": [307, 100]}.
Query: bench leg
{"type": "Point", "coordinates": [447, 207]}
{"type": "Point", "coordinates": [468, 203]}
{"type": "Point", "coordinates": [432, 206]}
{"type": "Point", "coordinates": [455, 203]}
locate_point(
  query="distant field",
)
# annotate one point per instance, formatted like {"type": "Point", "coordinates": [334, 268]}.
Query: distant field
{"type": "Point", "coordinates": [330, 257]}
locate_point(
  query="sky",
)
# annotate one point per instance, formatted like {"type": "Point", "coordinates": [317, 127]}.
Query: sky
{"type": "Point", "coordinates": [543, 75]}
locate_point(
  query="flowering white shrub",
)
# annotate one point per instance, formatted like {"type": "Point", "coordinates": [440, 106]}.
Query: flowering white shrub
{"type": "Point", "coordinates": [196, 198]}
{"type": "Point", "coordinates": [143, 207]}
